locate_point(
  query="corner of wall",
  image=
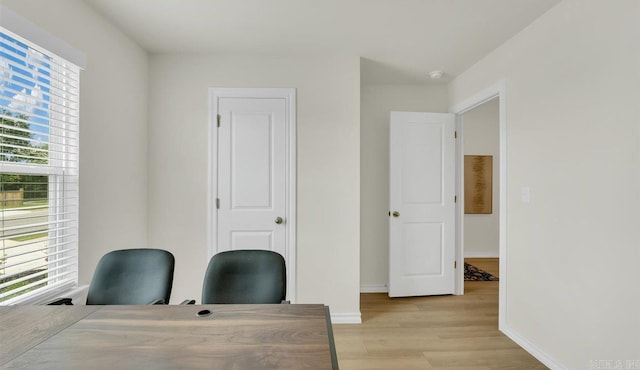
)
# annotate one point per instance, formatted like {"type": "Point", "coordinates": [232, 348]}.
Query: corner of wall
{"type": "Point", "coordinates": [533, 349]}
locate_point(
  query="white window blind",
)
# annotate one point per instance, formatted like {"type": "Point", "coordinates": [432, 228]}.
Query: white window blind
{"type": "Point", "coordinates": [39, 102]}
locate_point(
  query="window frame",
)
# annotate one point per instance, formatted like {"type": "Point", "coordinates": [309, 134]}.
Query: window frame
{"type": "Point", "coordinates": [62, 170]}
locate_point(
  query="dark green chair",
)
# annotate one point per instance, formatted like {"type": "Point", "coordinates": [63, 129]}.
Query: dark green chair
{"type": "Point", "coordinates": [131, 277]}
{"type": "Point", "coordinates": [245, 276]}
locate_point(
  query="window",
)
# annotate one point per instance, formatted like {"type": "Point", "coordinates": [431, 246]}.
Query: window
{"type": "Point", "coordinates": [39, 95]}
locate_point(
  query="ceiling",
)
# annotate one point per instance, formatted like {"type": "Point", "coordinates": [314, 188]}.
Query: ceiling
{"type": "Point", "coordinates": [400, 41]}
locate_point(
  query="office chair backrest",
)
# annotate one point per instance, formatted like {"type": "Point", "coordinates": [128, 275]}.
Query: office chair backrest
{"type": "Point", "coordinates": [245, 276]}
{"type": "Point", "coordinates": [132, 276]}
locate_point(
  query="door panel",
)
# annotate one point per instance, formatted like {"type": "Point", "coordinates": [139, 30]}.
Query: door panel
{"type": "Point", "coordinates": [252, 240]}
{"type": "Point", "coordinates": [422, 189]}
{"type": "Point", "coordinates": [251, 162]}
{"type": "Point", "coordinates": [420, 261]}
{"type": "Point", "coordinates": [419, 184]}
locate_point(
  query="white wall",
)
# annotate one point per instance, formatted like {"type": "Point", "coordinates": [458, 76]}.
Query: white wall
{"type": "Point", "coordinates": [328, 146]}
{"type": "Point", "coordinates": [113, 127]}
{"type": "Point", "coordinates": [481, 137]}
{"type": "Point", "coordinates": [377, 101]}
{"type": "Point", "coordinates": [573, 136]}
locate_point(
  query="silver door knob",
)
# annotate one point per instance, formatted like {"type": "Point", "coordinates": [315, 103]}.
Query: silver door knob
{"type": "Point", "coordinates": [279, 220]}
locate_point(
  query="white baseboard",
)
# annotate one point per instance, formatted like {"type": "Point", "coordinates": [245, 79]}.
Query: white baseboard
{"type": "Point", "coordinates": [374, 288]}
{"type": "Point", "coordinates": [481, 254]}
{"type": "Point", "coordinates": [533, 350]}
{"type": "Point", "coordinates": [346, 318]}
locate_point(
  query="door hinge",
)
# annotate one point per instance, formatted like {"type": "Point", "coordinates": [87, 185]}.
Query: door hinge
{"type": "Point", "coordinates": [455, 264]}
{"type": "Point", "coordinates": [218, 203]}
{"type": "Point", "coordinates": [218, 119]}
{"type": "Point", "coordinates": [455, 199]}
{"type": "Point", "coordinates": [455, 134]}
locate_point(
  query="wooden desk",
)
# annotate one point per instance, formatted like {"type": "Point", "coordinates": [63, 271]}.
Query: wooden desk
{"type": "Point", "coordinates": [166, 337]}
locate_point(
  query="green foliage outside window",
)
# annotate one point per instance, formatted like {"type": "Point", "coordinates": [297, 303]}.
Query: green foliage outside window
{"type": "Point", "coordinates": [17, 146]}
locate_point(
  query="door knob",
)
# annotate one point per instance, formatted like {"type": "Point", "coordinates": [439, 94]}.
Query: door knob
{"type": "Point", "coordinates": [396, 214]}
{"type": "Point", "coordinates": [279, 220]}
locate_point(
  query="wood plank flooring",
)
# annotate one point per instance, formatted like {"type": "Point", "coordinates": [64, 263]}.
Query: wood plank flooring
{"type": "Point", "coordinates": [490, 265]}
{"type": "Point", "coordinates": [436, 332]}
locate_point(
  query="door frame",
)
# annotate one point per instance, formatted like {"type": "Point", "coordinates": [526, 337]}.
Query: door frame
{"type": "Point", "coordinates": [289, 95]}
{"type": "Point", "coordinates": [498, 90]}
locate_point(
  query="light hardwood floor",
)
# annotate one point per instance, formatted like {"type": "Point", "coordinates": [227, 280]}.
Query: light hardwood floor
{"type": "Point", "coordinates": [436, 332]}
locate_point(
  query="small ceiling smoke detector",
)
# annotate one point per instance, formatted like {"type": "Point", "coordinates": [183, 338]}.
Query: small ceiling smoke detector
{"type": "Point", "coordinates": [436, 75]}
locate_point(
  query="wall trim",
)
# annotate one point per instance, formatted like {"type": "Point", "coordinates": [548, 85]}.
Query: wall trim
{"type": "Point", "coordinates": [346, 318]}
{"type": "Point", "coordinates": [534, 350]}
{"type": "Point", "coordinates": [481, 254]}
{"type": "Point", "coordinates": [374, 288]}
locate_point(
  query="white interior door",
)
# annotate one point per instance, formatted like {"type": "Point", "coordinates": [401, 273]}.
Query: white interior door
{"type": "Point", "coordinates": [422, 205]}
{"type": "Point", "coordinates": [252, 178]}
{"type": "Point", "coordinates": [252, 212]}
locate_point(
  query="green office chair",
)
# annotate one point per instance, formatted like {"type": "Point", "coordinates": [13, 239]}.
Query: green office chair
{"type": "Point", "coordinates": [130, 277]}
{"type": "Point", "coordinates": [245, 276]}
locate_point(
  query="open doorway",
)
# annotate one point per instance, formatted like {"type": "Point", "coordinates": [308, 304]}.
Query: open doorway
{"type": "Point", "coordinates": [482, 118]}
{"type": "Point", "coordinates": [481, 226]}
{"type": "Point", "coordinates": [480, 140]}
